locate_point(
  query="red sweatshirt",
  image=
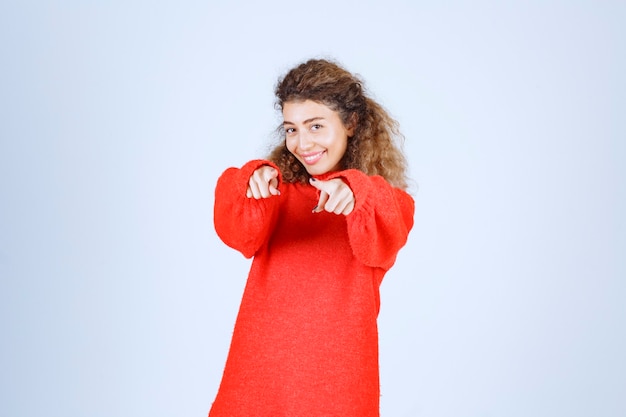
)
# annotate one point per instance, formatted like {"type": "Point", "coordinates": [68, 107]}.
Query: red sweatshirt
{"type": "Point", "coordinates": [305, 342]}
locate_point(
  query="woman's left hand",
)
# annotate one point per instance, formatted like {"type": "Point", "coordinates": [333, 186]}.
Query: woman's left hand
{"type": "Point", "coordinates": [335, 196]}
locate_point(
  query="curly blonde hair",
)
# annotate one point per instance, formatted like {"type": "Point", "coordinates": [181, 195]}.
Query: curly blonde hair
{"type": "Point", "coordinates": [375, 147]}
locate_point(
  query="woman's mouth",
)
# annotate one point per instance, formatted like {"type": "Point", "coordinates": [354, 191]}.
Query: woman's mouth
{"type": "Point", "coordinates": [312, 158]}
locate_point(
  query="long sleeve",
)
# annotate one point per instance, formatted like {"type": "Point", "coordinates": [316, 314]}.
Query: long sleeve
{"type": "Point", "coordinates": [243, 223]}
{"type": "Point", "coordinates": [381, 220]}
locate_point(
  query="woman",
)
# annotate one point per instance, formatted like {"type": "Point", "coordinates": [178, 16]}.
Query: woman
{"type": "Point", "coordinates": [324, 217]}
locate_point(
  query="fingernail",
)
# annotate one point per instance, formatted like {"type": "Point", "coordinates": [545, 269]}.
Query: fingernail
{"type": "Point", "coordinates": [314, 209]}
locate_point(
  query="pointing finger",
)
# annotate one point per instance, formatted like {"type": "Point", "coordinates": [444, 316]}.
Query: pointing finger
{"type": "Point", "coordinates": [321, 203]}
{"type": "Point", "coordinates": [271, 178]}
{"type": "Point", "coordinates": [273, 186]}
{"type": "Point", "coordinates": [270, 174]}
{"type": "Point", "coordinates": [327, 186]}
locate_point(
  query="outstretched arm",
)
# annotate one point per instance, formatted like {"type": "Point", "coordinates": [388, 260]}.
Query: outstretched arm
{"type": "Point", "coordinates": [379, 216]}
{"type": "Point", "coordinates": [246, 205]}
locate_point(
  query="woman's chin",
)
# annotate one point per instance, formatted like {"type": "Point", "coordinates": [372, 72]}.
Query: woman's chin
{"type": "Point", "coordinates": [317, 171]}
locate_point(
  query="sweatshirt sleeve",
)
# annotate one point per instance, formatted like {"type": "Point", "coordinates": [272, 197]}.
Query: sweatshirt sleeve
{"type": "Point", "coordinates": [379, 225]}
{"type": "Point", "coordinates": [243, 223]}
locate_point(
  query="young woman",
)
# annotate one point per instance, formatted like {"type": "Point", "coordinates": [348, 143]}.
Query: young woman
{"type": "Point", "coordinates": [324, 218]}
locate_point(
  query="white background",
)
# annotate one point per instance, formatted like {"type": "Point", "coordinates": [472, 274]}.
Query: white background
{"type": "Point", "coordinates": [116, 118]}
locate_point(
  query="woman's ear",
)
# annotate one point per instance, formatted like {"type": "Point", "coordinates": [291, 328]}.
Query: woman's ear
{"type": "Point", "coordinates": [352, 124]}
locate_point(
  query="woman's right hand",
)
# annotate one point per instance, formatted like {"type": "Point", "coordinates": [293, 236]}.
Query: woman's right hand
{"type": "Point", "coordinates": [263, 183]}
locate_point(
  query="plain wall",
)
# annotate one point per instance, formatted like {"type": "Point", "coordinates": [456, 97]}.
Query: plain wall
{"type": "Point", "coordinates": [116, 118]}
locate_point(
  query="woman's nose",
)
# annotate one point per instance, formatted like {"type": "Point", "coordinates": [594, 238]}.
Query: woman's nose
{"type": "Point", "coordinates": [305, 141]}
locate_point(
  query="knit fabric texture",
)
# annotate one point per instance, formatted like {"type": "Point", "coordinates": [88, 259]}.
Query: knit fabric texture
{"type": "Point", "coordinates": [305, 342]}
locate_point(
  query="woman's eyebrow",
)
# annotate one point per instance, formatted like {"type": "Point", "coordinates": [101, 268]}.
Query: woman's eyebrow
{"type": "Point", "coordinates": [312, 119]}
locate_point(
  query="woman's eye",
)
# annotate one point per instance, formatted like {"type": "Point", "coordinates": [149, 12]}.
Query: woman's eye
{"type": "Point", "coordinates": [316, 127]}
{"type": "Point", "coordinates": [290, 130]}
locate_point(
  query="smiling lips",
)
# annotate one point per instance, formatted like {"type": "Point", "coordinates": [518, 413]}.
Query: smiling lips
{"type": "Point", "coordinates": [312, 158]}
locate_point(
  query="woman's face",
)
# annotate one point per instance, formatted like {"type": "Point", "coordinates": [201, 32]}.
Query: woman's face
{"type": "Point", "coordinates": [315, 135]}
